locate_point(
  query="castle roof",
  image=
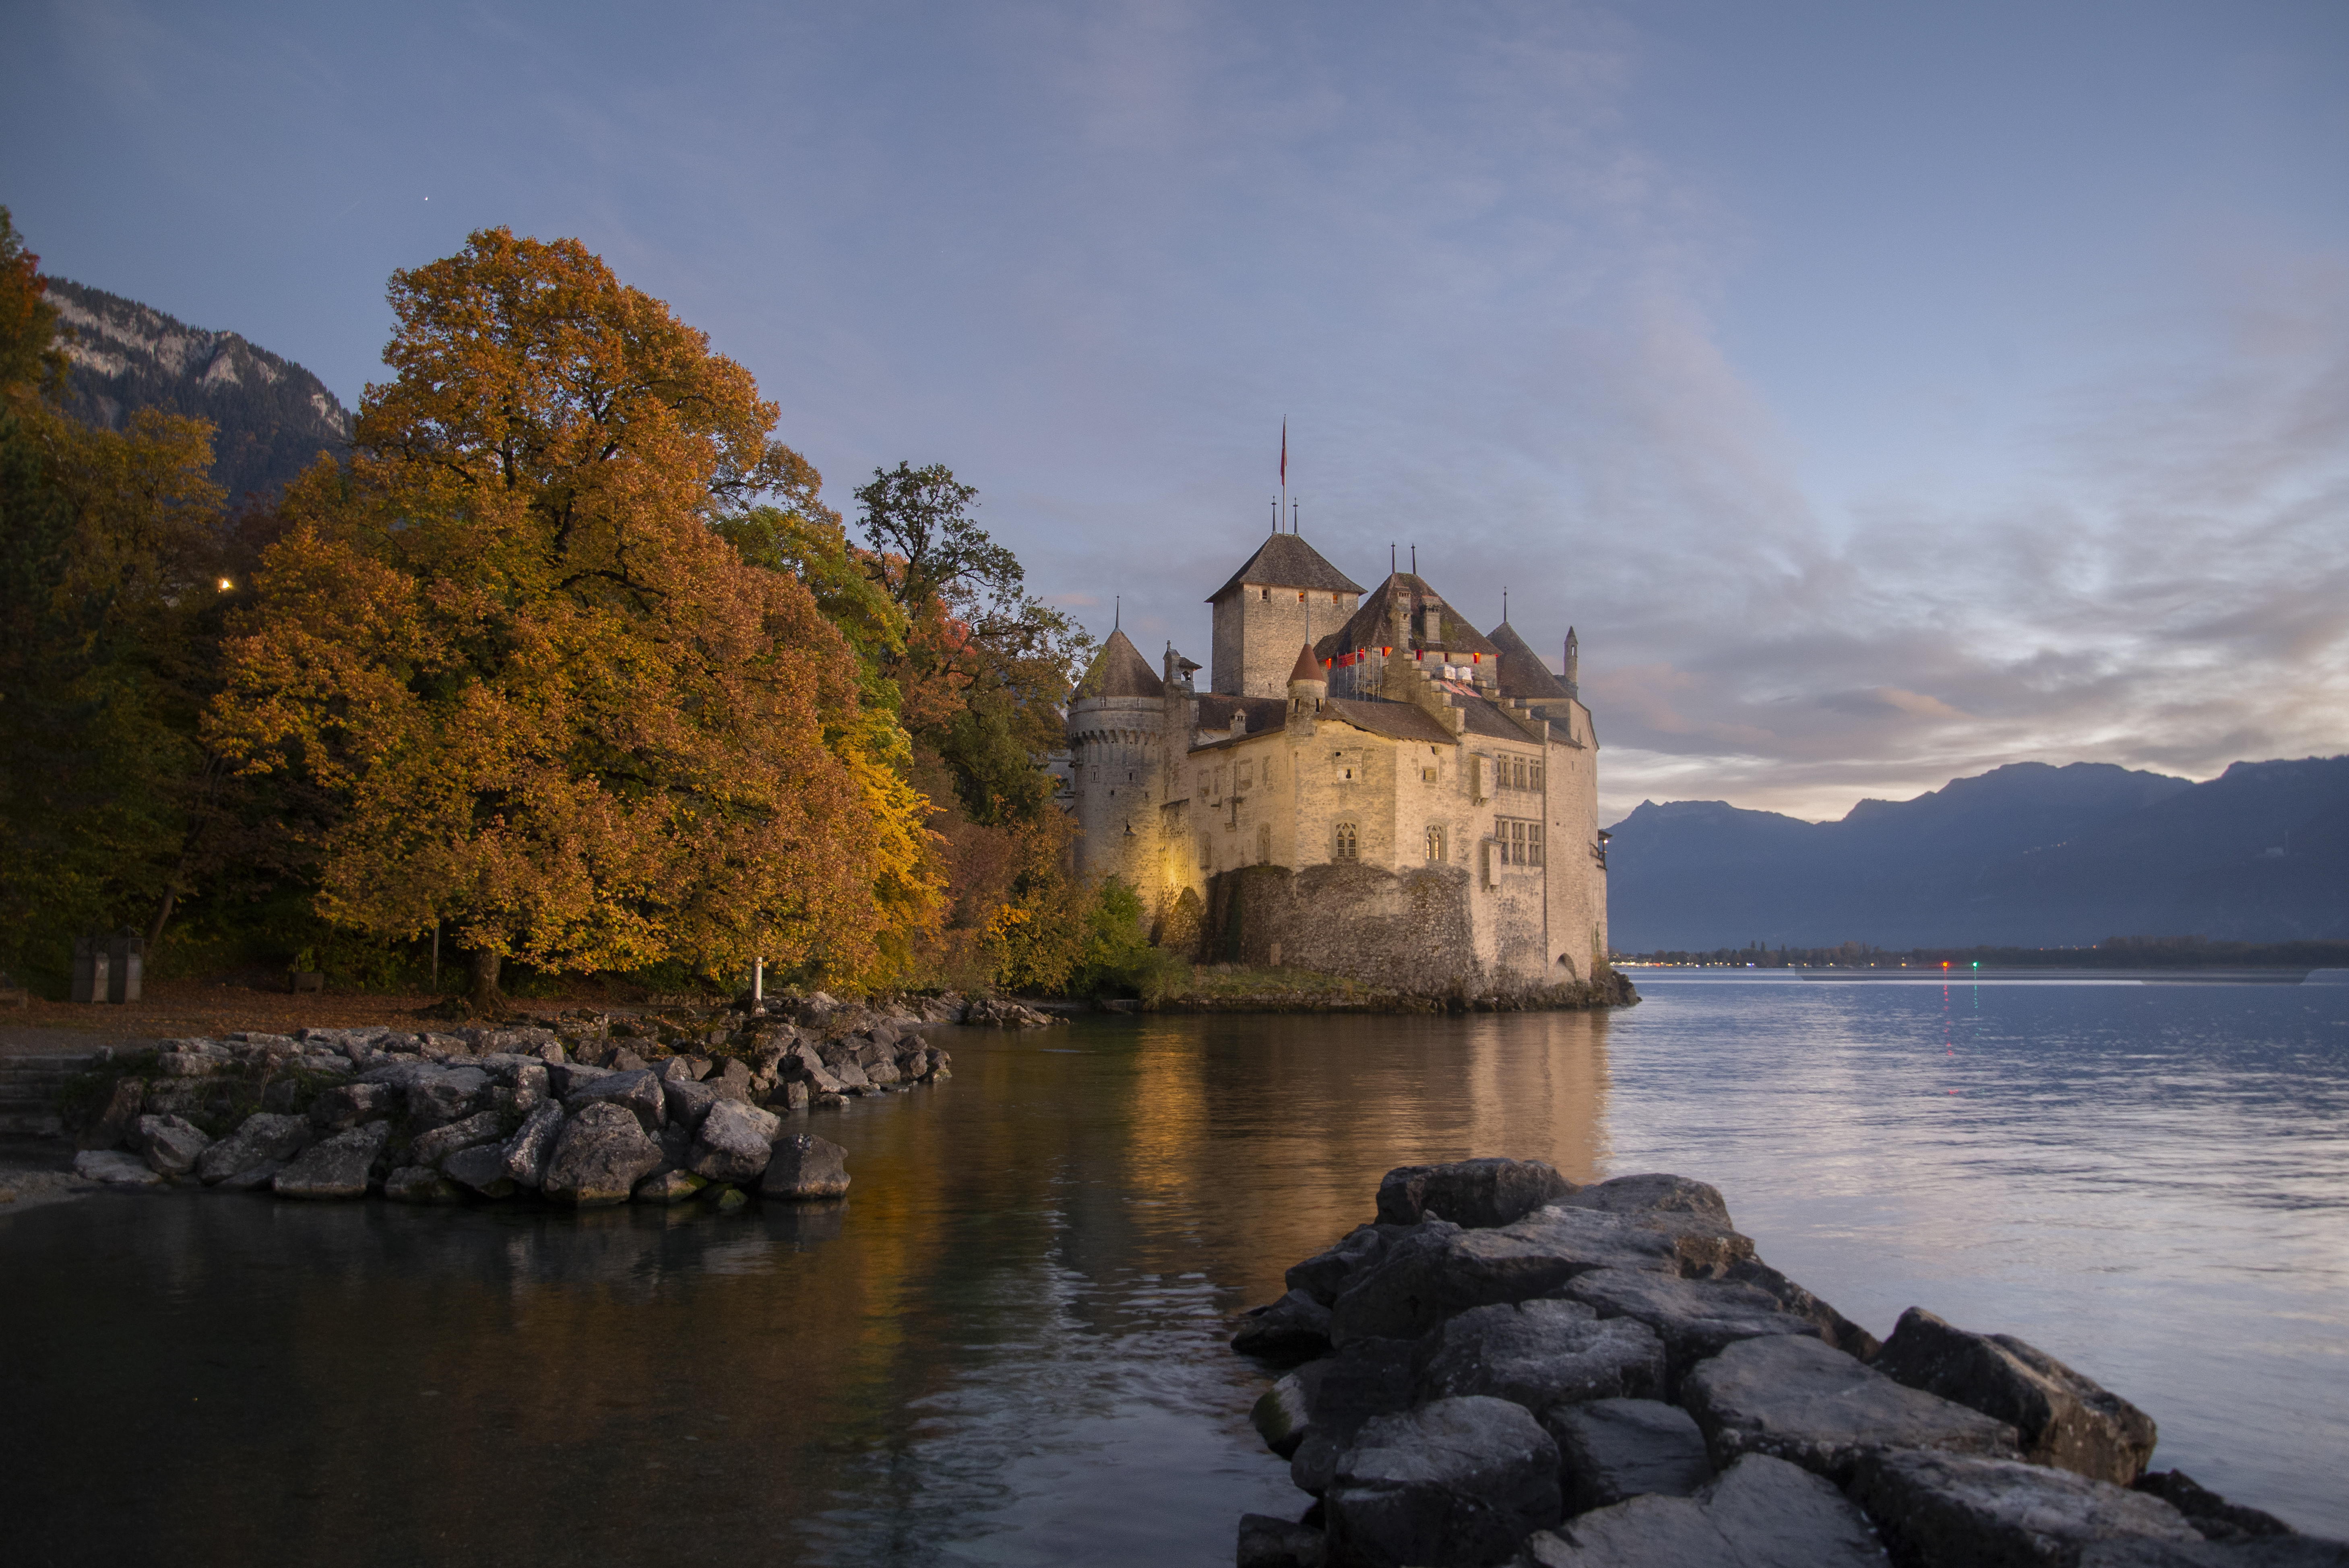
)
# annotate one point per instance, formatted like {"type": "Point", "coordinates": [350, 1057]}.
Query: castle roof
{"type": "Point", "coordinates": [1285, 561]}
{"type": "Point", "coordinates": [1120, 670]}
{"type": "Point", "coordinates": [1372, 627]}
{"type": "Point", "coordinates": [1265, 714]}
{"type": "Point", "coordinates": [1523, 673]}
{"type": "Point", "coordinates": [1309, 668]}
{"type": "Point", "coordinates": [1394, 720]}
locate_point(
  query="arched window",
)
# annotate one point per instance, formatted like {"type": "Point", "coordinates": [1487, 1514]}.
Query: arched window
{"type": "Point", "coordinates": [1348, 846]}
{"type": "Point", "coordinates": [1435, 845]}
{"type": "Point", "coordinates": [1264, 843]}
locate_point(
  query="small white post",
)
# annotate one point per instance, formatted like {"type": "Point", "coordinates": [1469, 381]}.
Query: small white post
{"type": "Point", "coordinates": [758, 981]}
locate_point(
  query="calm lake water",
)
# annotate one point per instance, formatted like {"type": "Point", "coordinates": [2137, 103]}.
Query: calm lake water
{"type": "Point", "coordinates": [1007, 1345]}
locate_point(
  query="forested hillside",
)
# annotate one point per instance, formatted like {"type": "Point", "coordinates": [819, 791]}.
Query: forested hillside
{"type": "Point", "coordinates": [271, 418]}
{"type": "Point", "coordinates": [2026, 856]}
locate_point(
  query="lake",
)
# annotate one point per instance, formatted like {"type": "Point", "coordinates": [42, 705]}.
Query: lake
{"type": "Point", "coordinates": [1008, 1344]}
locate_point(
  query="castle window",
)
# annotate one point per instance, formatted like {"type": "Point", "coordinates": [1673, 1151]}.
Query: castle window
{"type": "Point", "coordinates": [1534, 775]}
{"type": "Point", "coordinates": [1517, 772]}
{"type": "Point", "coordinates": [1533, 843]}
{"type": "Point", "coordinates": [1349, 844]}
{"type": "Point", "coordinates": [1220, 784]}
{"type": "Point", "coordinates": [1264, 844]}
{"type": "Point", "coordinates": [1263, 594]}
{"type": "Point", "coordinates": [1247, 774]}
{"type": "Point", "coordinates": [1435, 845]}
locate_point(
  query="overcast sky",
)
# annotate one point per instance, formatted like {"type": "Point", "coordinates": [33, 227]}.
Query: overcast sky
{"type": "Point", "coordinates": [1886, 390]}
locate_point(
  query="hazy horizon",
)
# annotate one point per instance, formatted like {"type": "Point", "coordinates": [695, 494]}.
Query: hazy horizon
{"type": "Point", "coordinates": [1883, 396]}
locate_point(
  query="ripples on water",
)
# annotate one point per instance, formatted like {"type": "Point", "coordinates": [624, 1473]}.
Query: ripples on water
{"type": "Point", "coordinates": [1008, 1346]}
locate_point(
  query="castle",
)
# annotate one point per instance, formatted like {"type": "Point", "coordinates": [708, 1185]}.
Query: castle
{"type": "Point", "coordinates": [1370, 788]}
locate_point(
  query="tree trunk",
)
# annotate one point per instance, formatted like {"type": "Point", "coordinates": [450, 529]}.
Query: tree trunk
{"type": "Point", "coordinates": [481, 981]}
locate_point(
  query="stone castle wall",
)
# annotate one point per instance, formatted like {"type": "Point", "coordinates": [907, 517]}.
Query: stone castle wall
{"type": "Point", "coordinates": [1258, 631]}
{"type": "Point", "coordinates": [1413, 930]}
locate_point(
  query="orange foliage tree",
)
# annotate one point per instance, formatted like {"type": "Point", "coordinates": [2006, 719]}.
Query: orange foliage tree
{"type": "Point", "coordinates": [561, 712]}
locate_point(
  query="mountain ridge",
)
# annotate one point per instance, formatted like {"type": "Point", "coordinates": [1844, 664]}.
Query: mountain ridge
{"type": "Point", "coordinates": [271, 416]}
{"type": "Point", "coordinates": [2026, 855]}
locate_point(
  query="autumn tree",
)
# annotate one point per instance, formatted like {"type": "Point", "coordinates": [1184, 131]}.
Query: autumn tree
{"type": "Point", "coordinates": [109, 617]}
{"type": "Point", "coordinates": [560, 710]}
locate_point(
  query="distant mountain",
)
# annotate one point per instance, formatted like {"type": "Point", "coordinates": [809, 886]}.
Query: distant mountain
{"type": "Point", "coordinates": [2026, 855]}
{"type": "Point", "coordinates": [274, 417]}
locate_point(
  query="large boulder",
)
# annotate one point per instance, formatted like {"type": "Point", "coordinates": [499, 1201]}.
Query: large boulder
{"type": "Point", "coordinates": [1833, 1327]}
{"type": "Point", "coordinates": [1473, 1194]}
{"type": "Point", "coordinates": [1293, 1329]}
{"type": "Point", "coordinates": [1796, 1400]}
{"type": "Point", "coordinates": [261, 1138]}
{"type": "Point", "coordinates": [1335, 1397]}
{"type": "Point", "coordinates": [1942, 1510]}
{"type": "Point", "coordinates": [172, 1144]}
{"type": "Point", "coordinates": [118, 1119]}
{"type": "Point", "coordinates": [600, 1156]}
{"type": "Point", "coordinates": [115, 1168]}
{"type": "Point", "coordinates": [1436, 1270]}
{"type": "Point", "coordinates": [1325, 1275]}
{"type": "Point", "coordinates": [639, 1092]}
{"type": "Point", "coordinates": [421, 1184]}
{"type": "Point", "coordinates": [1451, 1484]}
{"type": "Point", "coordinates": [1692, 1214]}
{"type": "Point", "coordinates": [1695, 1318]}
{"type": "Point", "coordinates": [480, 1167]}
{"type": "Point", "coordinates": [1611, 1450]}
{"type": "Point", "coordinates": [1762, 1513]}
{"type": "Point", "coordinates": [533, 1144]}
{"type": "Point", "coordinates": [346, 1105]}
{"type": "Point", "coordinates": [1538, 1354]}
{"type": "Point", "coordinates": [2066, 1419]}
{"type": "Point", "coordinates": [735, 1142]}
{"type": "Point", "coordinates": [434, 1147]}
{"type": "Point", "coordinates": [337, 1168]}
{"type": "Point", "coordinates": [804, 1166]}
{"type": "Point", "coordinates": [669, 1187]}
{"type": "Point", "coordinates": [688, 1100]}
{"type": "Point", "coordinates": [437, 1096]}
{"type": "Point", "coordinates": [1269, 1542]}
{"type": "Point", "coordinates": [2213, 1515]}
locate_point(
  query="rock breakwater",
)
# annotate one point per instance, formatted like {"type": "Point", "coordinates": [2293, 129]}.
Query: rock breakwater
{"type": "Point", "coordinates": [1505, 1367]}
{"type": "Point", "coordinates": [584, 1110]}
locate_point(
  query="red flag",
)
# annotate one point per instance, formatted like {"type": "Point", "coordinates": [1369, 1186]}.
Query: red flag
{"type": "Point", "coordinates": [1284, 451]}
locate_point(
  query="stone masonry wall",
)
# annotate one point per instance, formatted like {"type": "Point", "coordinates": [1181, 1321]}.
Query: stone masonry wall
{"type": "Point", "coordinates": [1256, 636]}
{"type": "Point", "coordinates": [1410, 930]}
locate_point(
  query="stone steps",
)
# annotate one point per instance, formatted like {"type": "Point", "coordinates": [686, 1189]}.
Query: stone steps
{"type": "Point", "coordinates": [28, 1091]}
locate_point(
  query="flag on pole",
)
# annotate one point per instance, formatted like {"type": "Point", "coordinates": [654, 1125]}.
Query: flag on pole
{"type": "Point", "coordinates": [1284, 451]}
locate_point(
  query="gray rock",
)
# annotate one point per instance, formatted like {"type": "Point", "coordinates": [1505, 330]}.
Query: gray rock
{"type": "Point", "coordinates": [434, 1147]}
{"type": "Point", "coordinates": [671, 1187]}
{"type": "Point", "coordinates": [530, 1086]}
{"type": "Point", "coordinates": [1762, 1513]}
{"type": "Point", "coordinates": [1436, 1270]}
{"type": "Point", "coordinates": [562, 1078]}
{"type": "Point", "coordinates": [1611, 1450]}
{"type": "Point", "coordinates": [1282, 1413]}
{"type": "Point", "coordinates": [1473, 1194]}
{"type": "Point", "coordinates": [850, 1076]}
{"type": "Point", "coordinates": [735, 1142]}
{"type": "Point", "coordinates": [806, 1166]}
{"type": "Point", "coordinates": [1796, 1400]}
{"type": "Point", "coordinates": [1269, 1542]}
{"type": "Point", "coordinates": [1834, 1327]}
{"type": "Point", "coordinates": [639, 1092]}
{"type": "Point", "coordinates": [118, 1119]}
{"type": "Point", "coordinates": [1340, 1393]}
{"type": "Point", "coordinates": [2268, 1552]}
{"type": "Point", "coordinates": [1325, 1275]}
{"type": "Point", "coordinates": [794, 1096]}
{"type": "Point", "coordinates": [261, 1138]}
{"type": "Point", "coordinates": [481, 1168]}
{"type": "Point", "coordinates": [1538, 1354]}
{"type": "Point", "coordinates": [601, 1155]}
{"type": "Point", "coordinates": [1448, 1485]}
{"type": "Point", "coordinates": [1292, 1328]}
{"type": "Point", "coordinates": [421, 1184]}
{"type": "Point", "coordinates": [439, 1095]}
{"type": "Point", "coordinates": [2065, 1420]}
{"type": "Point", "coordinates": [116, 1169]}
{"type": "Point", "coordinates": [251, 1179]}
{"type": "Point", "coordinates": [346, 1105]}
{"type": "Point", "coordinates": [2214, 1516]}
{"type": "Point", "coordinates": [688, 1101]}
{"type": "Point", "coordinates": [337, 1168]}
{"type": "Point", "coordinates": [1942, 1509]}
{"type": "Point", "coordinates": [1695, 1318]}
{"type": "Point", "coordinates": [171, 1143]}
{"type": "Point", "coordinates": [533, 1144]}
{"type": "Point", "coordinates": [1691, 1213]}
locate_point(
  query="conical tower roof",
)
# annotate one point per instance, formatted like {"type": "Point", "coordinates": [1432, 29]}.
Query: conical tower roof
{"type": "Point", "coordinates": [1523, 673]}
{"type": "Point", "coordinates": [1285, 561]}
{"type": "Point", "coordinates": [1309, 668]}
{"type": "Point", "coordinates": [1120, 670]}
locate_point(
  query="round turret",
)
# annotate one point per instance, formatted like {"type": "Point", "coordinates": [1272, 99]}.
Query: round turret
{"type": "Point", "coordinates": [1307, 682]}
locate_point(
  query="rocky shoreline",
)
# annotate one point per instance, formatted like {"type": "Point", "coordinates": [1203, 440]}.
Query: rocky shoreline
{"type": "Point", "coordinates": [587, 1111]}
{"type": "Point", "coordinates": [1505, 1367]}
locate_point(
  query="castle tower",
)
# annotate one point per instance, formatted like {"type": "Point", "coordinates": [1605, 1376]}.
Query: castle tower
{"type": "Point", "coordinates": [1284, 595]}
{"type": "Point", "coordinates": [1115, 720]}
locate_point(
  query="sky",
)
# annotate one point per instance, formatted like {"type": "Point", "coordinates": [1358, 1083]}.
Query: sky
{"type": "Point", "coordinates": [1884, 391]}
